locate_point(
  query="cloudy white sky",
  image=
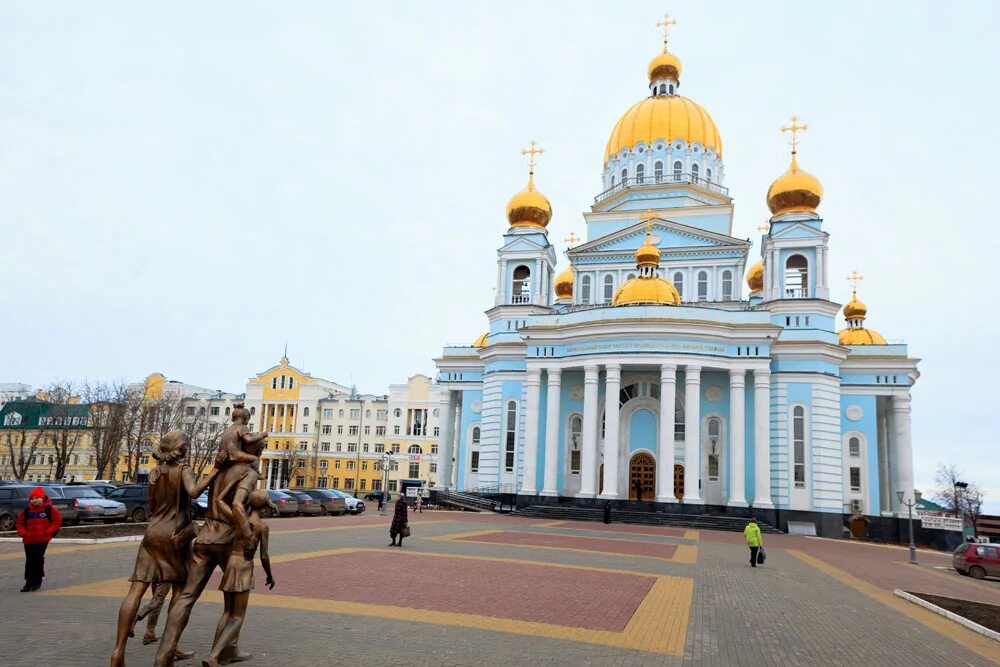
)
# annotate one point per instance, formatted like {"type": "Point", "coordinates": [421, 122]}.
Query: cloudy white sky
{"type": "Point", "coordinates": [186, 186]}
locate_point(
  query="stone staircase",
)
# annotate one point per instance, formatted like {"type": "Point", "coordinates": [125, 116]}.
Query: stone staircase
{"type": "Point", "coordinates": [466, 501]}
{"type": "Point", "coordinates": [697, 521]}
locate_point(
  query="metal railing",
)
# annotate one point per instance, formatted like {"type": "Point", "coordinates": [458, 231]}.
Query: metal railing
{"type": "Point", "coordinates": [665, 179]}
{"type": "Point", "coordinates": [715, 305]}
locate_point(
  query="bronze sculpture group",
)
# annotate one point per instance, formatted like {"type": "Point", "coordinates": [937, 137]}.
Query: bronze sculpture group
{"type": "Point", "coordinates": [173, 551]}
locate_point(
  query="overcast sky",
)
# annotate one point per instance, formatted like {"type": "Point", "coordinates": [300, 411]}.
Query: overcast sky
{"type": "Point", "coordinates": [186, 186]}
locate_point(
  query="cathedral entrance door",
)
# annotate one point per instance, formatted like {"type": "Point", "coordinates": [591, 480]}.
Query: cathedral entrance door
{"type": "Point", "coordinates": [678, 481]}
{"type": "Point", "coordinates": [642, 474]}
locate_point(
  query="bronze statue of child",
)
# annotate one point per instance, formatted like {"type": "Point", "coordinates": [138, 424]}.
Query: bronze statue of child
{"type": "Point", "coordinates": [237, 581]}
{"type": "Point", "coordinates": [236, 438]}
{"type": "Point", "coordinates": [165, 548]}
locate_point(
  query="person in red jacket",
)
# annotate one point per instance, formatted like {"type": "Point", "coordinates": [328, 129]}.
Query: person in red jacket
{"type": "Point", "coordinates": [37, 525]}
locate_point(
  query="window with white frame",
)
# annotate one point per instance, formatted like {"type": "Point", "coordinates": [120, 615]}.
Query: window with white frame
{"type": "Point", "coordinates": [796, 277]}
{"type": "Point", "coordinates": [855, 478]}
{"type": "Point", "coordinates": [678, 170]}
{"type": "Point", "coordinates": [727, 285]}
{"type": "Point", "coordinates": [854, 447]}
{"type": "Point", "coordinates": [658, 171]}
{"type": "Point", "coordinates": [799, 446]}
{"type": "Point", "coordinates": [703, 286]}
{"type": "Point", "coordinates": [327, 413]}
{"type": "Point", "coordinates": [640, 173]}
{"type": "Point", "coordinates": [714, 431]}
{"type": "Point", "coordinates": [575, 439]}
{"type": "Point", "coordinates": [695, 173]}
{"type": "Point", "coordinates": [679, 283]}
{"type": "Point", "coordinates": [609, 288]}
{"type": "Point", "coordinates": [521, 286]}
{"type": "Point", "coordinates": [585, 289]}
{"type": "Point", "coordinates": [510, 436]}
{"type": "Point", "coordinates": [414, 449]}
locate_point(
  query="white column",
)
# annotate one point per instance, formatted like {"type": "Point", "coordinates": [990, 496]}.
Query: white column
{"type": "Point", "coordinates": [588, 473]}
{"type": "Point", "coordinates": [885, 493]}
{"type": "Point", "coordinates": [903, 449]}
{"type": "Point", "coordinates": [737, 439]}
{"type": "Point", "coordinates": [552, 413]}
{"type": "Point", "coordinates": [692, 434]}
{"type": "Point", "coordinates": [445, 440]}
{"type": "Point", "coordinates": [665, 444]}
{"type": "Point", "coordinates": [532, 384]}
{"type": "Point", "coordinates": [612, 387]}
{"type": "Point", "coordinates": [762, 438]}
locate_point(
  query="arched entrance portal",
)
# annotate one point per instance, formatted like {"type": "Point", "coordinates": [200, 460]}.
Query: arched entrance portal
{"type": "Point", "coordinates": [678, 481]}
{"type": "Point", "coordinates": [642, 474]}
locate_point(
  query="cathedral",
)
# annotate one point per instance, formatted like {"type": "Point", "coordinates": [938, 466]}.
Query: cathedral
{"type": "Point", "coordinates": [639, 369]}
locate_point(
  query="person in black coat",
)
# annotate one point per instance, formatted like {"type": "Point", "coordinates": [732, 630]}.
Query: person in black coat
{"type": "Point", "coordinates": [399, 522]}
{"type": "Point", "coordinates": [607, 511]}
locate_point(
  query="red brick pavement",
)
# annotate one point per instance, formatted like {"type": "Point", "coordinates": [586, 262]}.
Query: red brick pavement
{"type": "Point", "coordinates": [664, 531]}
{"type": "Point", "coordinates": [559, 596]}
{"type": "Point", "coordinates": [624, 547]}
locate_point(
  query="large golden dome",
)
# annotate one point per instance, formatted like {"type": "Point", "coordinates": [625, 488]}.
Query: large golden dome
{"type": "Point", "coordinates": [755, 276]}
{"type": "Point", "coordinates": [666, 117]}
{"type": "Point", "coordinates": [564, 284]}
{"type": "Point", "coordinates": [529, 207]}
{"type": "Point", "coordinates": [794, 191]}
{"type": "Point", "coordinates": [861, 336]}
{"type": "Point", "coordinates": [647, 291]}
{"type": "Point", "coordinates": [481, 339]}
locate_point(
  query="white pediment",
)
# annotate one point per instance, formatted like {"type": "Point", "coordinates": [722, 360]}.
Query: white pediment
{"type": "Point", "coordinates": [667, 235]}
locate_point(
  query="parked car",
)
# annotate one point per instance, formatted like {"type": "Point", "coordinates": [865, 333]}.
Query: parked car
{"type": "Point", "coordinates": [354, 506]}
{"type": "Point", "coordinates": [199, 506]}
{"type": "Point", "coordinates": [308, 506]}
{"type": "Point", "coordinates": [91, 505]}
{"type": "Point", "coordinates": [329, 501]}
{"type": "Point", "coordinates": [977, 560]}
{"type": "Point", "coordinates": [14, 498]}
{"type": "Point", "coordinates": [375, 495]}
{"type": "Point", "coordinates": [286, 504]}
{"type": "Point", "coordinates": [102, 487]}
{"type": "Point", "coordinates": [136, 499]}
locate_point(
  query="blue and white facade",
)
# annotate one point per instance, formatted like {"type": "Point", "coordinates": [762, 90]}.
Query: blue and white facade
{"type": "Point", "coordinates": [725, 400]}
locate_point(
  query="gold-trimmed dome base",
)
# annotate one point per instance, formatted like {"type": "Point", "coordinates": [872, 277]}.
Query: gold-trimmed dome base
{"type": "Point", "coordinates": [666, 117]}
{"type": "Point", "coordinates": [647, 291]}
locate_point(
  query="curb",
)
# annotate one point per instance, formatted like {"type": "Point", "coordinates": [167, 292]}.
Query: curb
{"type": "Point", "coordinates": [83, 540]}
{"type": "Point", "coordinates": [975, 627]}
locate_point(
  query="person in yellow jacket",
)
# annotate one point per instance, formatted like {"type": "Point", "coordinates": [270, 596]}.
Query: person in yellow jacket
{"type": "Point", "coordinates": [754, 541]}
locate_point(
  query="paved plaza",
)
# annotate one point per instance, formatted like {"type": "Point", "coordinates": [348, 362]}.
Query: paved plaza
{"type": "Point", "coordinates": [476, 589]}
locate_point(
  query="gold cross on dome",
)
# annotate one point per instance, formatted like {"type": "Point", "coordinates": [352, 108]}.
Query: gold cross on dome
{"type": "Point", "coordinates": [795, 128]}
{"type": "Point", "coordinates": [764, 227]}
{"type": "Point", "coordinates": [531, 152]}
{"type": "Point", "coordinates": [571, 240]}
{"type": "Point", "coordinates": [855, 278]}
{"type": "Point", "coordinates": [665, 23]}
{"type": "Point", "coordinates": [648, 218]}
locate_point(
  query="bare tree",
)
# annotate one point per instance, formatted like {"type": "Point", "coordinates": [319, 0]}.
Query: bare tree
{"type": "Point", "coordinates": [146, 420]}
{"type": "Point", "coordinates": [205, 436]}
{"type": "Point", "coordinates": [961, 497]}
{"type": "Point", "coordinates": [67, 419]}
{"type": "Point", "coordinates": [947, 493]}
{"type": "Point", "coordinates": [107, 411]}
{"type": "Point", "coordinates": [22, 440]}
{"type": "Point", "coordinates": [972, 505]}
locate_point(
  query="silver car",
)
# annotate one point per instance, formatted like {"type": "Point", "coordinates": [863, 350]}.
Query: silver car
{"type": "Point", "coordinates": [92, 505]}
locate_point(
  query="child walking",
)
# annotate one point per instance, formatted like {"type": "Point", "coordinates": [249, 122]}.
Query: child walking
{"type": "Point", "coordinates": [37, 524]}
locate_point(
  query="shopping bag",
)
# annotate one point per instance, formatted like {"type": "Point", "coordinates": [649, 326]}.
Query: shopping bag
{"type": "Point", "coordinates": [406, 531]}
{"type": "Point", "coordinates": [761, 556]}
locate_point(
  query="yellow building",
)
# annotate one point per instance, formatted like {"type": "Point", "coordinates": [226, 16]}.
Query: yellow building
{"type": "Point", "coordinates": [46, 439]}
{"type": "Point", "coordinates": [414, 431]}
{"type": "Point", "coordinates": [321, 434]}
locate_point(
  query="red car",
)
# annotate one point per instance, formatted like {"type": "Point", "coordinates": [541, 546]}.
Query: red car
{"type": "Point", "coordinates": [977, 560]}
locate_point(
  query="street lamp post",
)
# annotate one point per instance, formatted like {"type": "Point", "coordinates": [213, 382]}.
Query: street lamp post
{"type": "Point", "coordinates": [385, 460]}
{"type": "Point", "coordinates": [910, 504]}
{"type": "Point", "coordinates": [959, 487]}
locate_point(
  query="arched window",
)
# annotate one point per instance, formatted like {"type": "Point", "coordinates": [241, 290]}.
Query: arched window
{"type": "Point", "coordinates": [714, 432]}
{"type": "Point", "coordinates": [854, 447]}
{"type": "Point", "coordinates": [703, 286]}
{"type": "Point", "coordinates": [609, 288]}
{"type": "Point", "coordinates": [695, 169]}
{"type": "Point", "coordinates": [585, 289]}
{"type": "Point", "coordinates": [678, 170]}
{"type": "Point", "coordinates": [708, 175]}
{"type": "Point", "coordinates": [612, 180]}
{"type": "Point", "coordinates": [227, 411]}
{"type": "Point", "coordinates": [510, 436]}
{"type": "Point", "coordinates": [475, 435]}
{"type": "Point", "coordinates": [671, 89]}
{"type": "Point", "coordinates": [640, 173]}
{"type": "Point", "coordinates": [521, 288]}
{"type": "Point", "coordinates": [630, 276]}
{"type": "Point", "coordinates": [575, 441]}
{"type": "Point", "coordinates": [414, 449]}
{"type": "Point", "coordinates": [291, 382]}
{"type": "Point", "coordinates": [624, 176]}
{"type": "Point", "coordinates": [395, 413]}
{"type": "Point", "coordinates": [282, 381]}
{"type": "Point", "coordinates": [679, 283]}
{"type": "Point", "coordinates": [368, 414]}
{"type": "Point", "coordinates": [799, 446]}
{"type": "Point", "coordinates": [796, 277]}
{"type": "Point", "coordinates": [474, 454]}
{"type": "Point", "coordinates": [305, 412]}
{"type": "Point", "coordinates": [253, 411]}
{"type": "Point", "coordinates": [727, 285]}
{"type": "Point", "coordinates": [341, 413]}
{"type": "Point", "coordinates": [658, 171]}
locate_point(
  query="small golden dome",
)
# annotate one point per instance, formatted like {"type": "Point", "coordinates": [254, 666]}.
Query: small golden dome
{"type": "Point", "coordinates": [529, 208]}
{"type": "Point", "coordinates": [861, 336]}
{"type": "Point", "coordinates": [647, 254]}
{"type": "Point", "coordinates": [564, 284]}
{"type": "Point", "coordinates": [666, 117]}
{"type": "Point", "coordinates": [665, 66]}
{"type": "Point", "coordinates": [794, 191]}
{"type": "Point", "coordinates": [855, 309]}
{"type": "Point", "coordinates": [481, 340]}
{"type": "Point", "coordinates": [755, 276]}
{"type": "Point", "coordinates": [643, 290]}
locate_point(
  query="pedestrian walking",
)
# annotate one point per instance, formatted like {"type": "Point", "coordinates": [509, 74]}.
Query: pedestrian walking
{"type": "Point", "coordinates": [381, 501]}
{"type": "Point", "coordinates": [752, 535]}
{"type": "Point", "coordinates": [400, 526]}
{"type": "Point", "coordinates": [607, 511]}
{"type": "Point", "coordinates": [418, 505]}
{"type": "Point", "coordinates": [37, 524]}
